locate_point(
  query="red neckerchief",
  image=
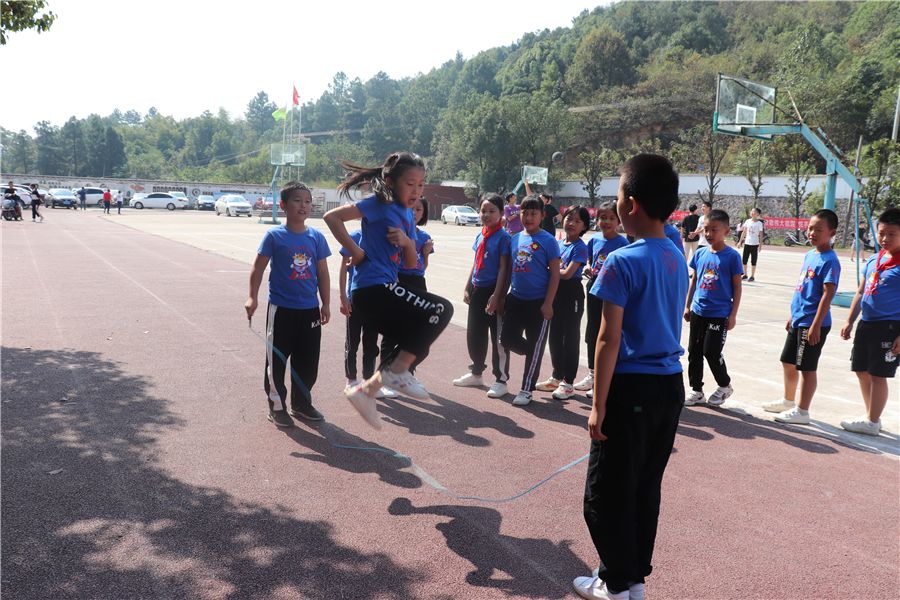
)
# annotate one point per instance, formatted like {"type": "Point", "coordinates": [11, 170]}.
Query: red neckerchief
{"type": "Point", "coordinates": [482, 247]}
{"type": "Point", "coordinates": [893, 262]}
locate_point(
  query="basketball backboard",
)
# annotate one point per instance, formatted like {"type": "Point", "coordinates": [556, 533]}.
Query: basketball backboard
{"type": "Point", "coordinates": [536, 175]}
{"type": "Point", "coordinates": [740, 102]}
{"type": "Point", "coordinates": [288, 154]}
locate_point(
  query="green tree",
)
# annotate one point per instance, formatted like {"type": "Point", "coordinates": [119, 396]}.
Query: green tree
{"type": "Point", "coordinates": [594, 163]}
{"type": "Point", "coordinates": [259, 114]}
{"type": "Point", "coordinates": [50, 160]}
{"type": "Point", "coordinates": [795, 156]}
{"type": "Point", "coordinates": [601, 61]}
{"type": "Point", "coordinates": [753, 163]}
{"type": "Point", "coordinates": [701, 150]}
{"type": "Point", "coordinates": [73, 145]}
{"type": "Point", "coordinates": [20, 15]}
{"type": "Point", "coordinates": [19, 151]}
{"type": "Point", "coordinates": [881, 164]}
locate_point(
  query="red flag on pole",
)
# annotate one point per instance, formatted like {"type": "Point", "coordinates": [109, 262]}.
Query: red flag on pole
{"type": "Point", "coordinates": [296, 96]}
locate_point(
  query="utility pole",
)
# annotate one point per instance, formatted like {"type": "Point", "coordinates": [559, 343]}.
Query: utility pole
{"type": "Point", "coordinates": [896, 116]}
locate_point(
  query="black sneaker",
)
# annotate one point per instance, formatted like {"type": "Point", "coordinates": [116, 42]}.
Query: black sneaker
{"type": "Point", "coordinates": [280, 418]}
{"type": "Point", "coordinates": [308, 413]}
{"type": "Point", "coordinates": [752, 279]}
{"type": "Point", "coordinates": [744, 277]}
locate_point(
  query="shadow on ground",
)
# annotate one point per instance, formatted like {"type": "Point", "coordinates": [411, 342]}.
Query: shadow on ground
{"type": "Point", "coordinates": [87, 513]}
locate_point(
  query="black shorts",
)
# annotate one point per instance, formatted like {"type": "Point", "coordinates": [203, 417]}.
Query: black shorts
{"type": "Point", "coordinates": [799, 353]}
{"type": "Point", "coordinates": [872, 348]}
{"type": "Point", "coordinates": [751, 252]}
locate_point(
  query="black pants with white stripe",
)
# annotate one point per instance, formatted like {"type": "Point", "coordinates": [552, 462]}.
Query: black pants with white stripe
{"type": "Point", "coordinates": [478, 326]}
{"type": "Point", "coordinates": [565, 329]}
{"type": "Point", "coordinates": [594, 312]}
{"type": "Point", "coordinates": [294, 334]}
{"type": "Point", "coordinates": [706, 340]}
{"type": "Point", "coordinates": [356, 330]}
{"type": "Point", "coordinates": [412, 318]}
{"type": "Point", "coordinates": [388, 346]}
{"type": "Point", "coordinates": [525, 317]}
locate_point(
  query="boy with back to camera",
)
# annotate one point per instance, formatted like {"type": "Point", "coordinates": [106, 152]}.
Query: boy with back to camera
{"type": "Point", "coordinates": [638, 387]}
{"type": "Point", "coordinates": [713, 299]}
{"type": "Point", "coordinates": [810, 320]}
{"type": "Point", "coordinates": [876, 345]}
{"type": "Point", "coordinates": [294, 319]}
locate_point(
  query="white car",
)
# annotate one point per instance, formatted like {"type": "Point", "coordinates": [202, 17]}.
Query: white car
{"type": "Point", "coordinates": [461, 215]}
{"type": "Point", "coordinates": [233, 205]}
{"type": "Point", "coordinates": [158, 200]}
{"type": "Point", "coordinates": [94, 195]}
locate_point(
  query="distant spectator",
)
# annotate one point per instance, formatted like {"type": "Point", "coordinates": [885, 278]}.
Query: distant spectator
{"type": "Point", "coordinates": [82, 198]}
{"type": "Point", "coordinates": [107, 201]}
{"type": "Point", "coordinates": [689, 231]}
{"type": "Point", "coordinates": [120, 198]}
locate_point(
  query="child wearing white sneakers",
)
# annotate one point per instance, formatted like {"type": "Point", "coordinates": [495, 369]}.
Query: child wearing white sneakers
{"type": "Point", "coordinates": [876, 345]}
{"type": "Point", "coordinates": [810, 320]}
{"type": "Point", "coordinates": [713, 299]}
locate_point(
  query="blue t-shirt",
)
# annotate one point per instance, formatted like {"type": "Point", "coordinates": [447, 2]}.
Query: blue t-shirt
{"type": "Point", "coordinates": [818, 269]}
{"type": "Point", "coordinates": [383, 259]}
{"type": "Point", "coordinates": [673, 234]}
{"type": "Point", "coordinates": [351, 270]}
{"type": "Point", "coordinates": [421, 238]}
{"type": "Point", "coordinates": [649, 280]}
{"type": "Point", "coordinates": [531, 255]}
{"type": "Point", "coordinates": [881, 302]}
{"type": "Point", "coordinates": [497, 245]}
{"type": "Point", "coordinates": [714, 292]}
{"type": "Point", "coordinates": [575, 252]}
{"type": "Point", "coordinates": [294, 257]}
{"type": "Point", "coordinates": [599, 248]}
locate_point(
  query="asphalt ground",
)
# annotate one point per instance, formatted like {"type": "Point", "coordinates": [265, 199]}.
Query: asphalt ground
{"type": "Point", "coordinates": [137, 461]}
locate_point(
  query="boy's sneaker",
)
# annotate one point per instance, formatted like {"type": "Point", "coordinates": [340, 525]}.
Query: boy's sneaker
{"type": "Point", "coordinates": [385, 392]}
{"type": "Point", "coordinates": [793, 416]}
{"type": "Point", "coordinates": [468, 380]}
{"type": "Point", "coordinates": [405, 384]}
{"type": "Point", "coordinates": [696, 397]}
{"type": "Point", "coordinates": [862, 425]}
{"type": "Point", "coordinates": [585, 384]}
{"type": "Point", "coordinates": [351, 383]}
{"type": "Point", "coordinates": [595, 588]}
{"type": "Point", "coordinates": [718, 397]}
{"type": "Point", "coordinates": [564, 391]}
{"type": "Point", "coordinates": [547, 385]}
{"type": "Point", "coordinates": [752, 279]}
{"type": "Point", "coordinates": [498, 390]}
{"type": "Point", "coordinates": [308, 413]}
{"type": "Point", "coordinates": [364, 405]}
{"type": "Point", "coordinates": [743, 278]}
{"type": "Point", "coordinates": [779, 406]}
{"type": "Point", "coordinates": [280, 418]}
{"type": "Point", "coordinates": [523, 398]}
{"type": "Point", "coordinates": [589, 393]}
{"type": "Point", "coordinates": [635, 590]}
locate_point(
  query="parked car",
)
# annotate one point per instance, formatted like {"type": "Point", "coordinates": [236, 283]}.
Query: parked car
{"type": "Point", "coordinates": [233, 205]}
{"type": "Point", "coordinates": [93, 195]}
{"type": "Point", "coordinates": [158, 200]}
{"type": "Point", "coordinates": [206, 202]}
{"type": "Point", "coordinates": [461, 215]}
{"type": "Point", "coordinates": [263, 204]}
{"type": "Point", "coordinates": [182, 195]}
{"type": "Point", "coordinates": [61, 197]}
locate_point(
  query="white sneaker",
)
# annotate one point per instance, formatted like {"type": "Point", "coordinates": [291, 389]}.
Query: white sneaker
{"type": "Point", "coordinates": [779, 406]}
{"type": "Point", "coordinates": [547, 385]}
{"type": "Point", "coordinates": [468, 380]}
{"type": "Point", "coordinates": [523, 398]}
{"type": "Point", "coordinates": [695, 398]}
{"type": "Point", "coordinates": [385, 392]}
{"type": "Point", "coordinates": [635, 590]}
{"type": "Point", "coordinates": [585, 384]}
{"type": "Point", "coordinates": [594, 588]}
{"type": "Point", "coordinates": [351, 383]}
{"type": "Point", "coordinates": [404, 383]}
{"type": "Point", "coordinates": [589, 393]}
{"type": "Point", "coordinates": [498, 390]}
{"type": "Point", "coordinates": [862, 425]}
{"type": "Point", "coordinates": [564, 391]}
{"type": "Point", "coordinates": [718, 397]}
{"type": "Point", "coordinates": [793, 416]}
{"type": "Point", "coordinates": [364, 405]}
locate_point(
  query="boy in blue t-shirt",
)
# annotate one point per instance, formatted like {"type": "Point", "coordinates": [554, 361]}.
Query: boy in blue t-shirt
{"type": "Point", "coordinates": [529, 305]}
{"type": "Point", "coordinates": [810, 320]}
{"type": "Point", "coordinates": [638, 387]}
{"type": "Point", "coordinates": [294, 320]}
{"type": "Point", "coordinates": [876, 345]}
{"type": "Point", "coordinates": [713, 299]}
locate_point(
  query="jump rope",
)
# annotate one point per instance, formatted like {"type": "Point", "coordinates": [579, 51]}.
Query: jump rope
{"type": "Point", "coordinates": [410, 464]}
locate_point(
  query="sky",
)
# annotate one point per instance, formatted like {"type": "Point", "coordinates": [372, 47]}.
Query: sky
{"type": "Point", "coordinates": [184, 57]}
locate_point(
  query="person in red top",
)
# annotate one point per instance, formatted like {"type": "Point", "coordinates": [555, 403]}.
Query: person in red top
{"type": "Point", "coordinates": [107, 201]}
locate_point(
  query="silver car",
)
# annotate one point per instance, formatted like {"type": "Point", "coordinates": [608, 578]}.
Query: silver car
{"type": "Point", "coordinates": [233, 205]}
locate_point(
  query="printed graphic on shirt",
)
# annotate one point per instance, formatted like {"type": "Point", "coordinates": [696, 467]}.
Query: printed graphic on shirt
{"type": "Point", "coordinates": [809, 275]}
{"type": "Point", "coordinates": [871, 284]}
{"type": "Point", "coordinates": [598, 264]}
{"type": "Point", "coordinates": [524, 256]}
{"type": "Point", "coordinates": [709, 278]}
{"type": "Point", "coordinates": [300, 267]}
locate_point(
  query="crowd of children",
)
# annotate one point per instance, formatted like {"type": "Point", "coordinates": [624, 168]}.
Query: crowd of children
{"type": "Point", "coordinates": [524, 286]}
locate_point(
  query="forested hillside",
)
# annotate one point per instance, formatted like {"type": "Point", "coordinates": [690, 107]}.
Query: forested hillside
{"type": "Point", "coordinates": [627, 76]}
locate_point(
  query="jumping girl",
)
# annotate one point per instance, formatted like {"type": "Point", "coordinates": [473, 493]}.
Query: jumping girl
{"type": "Point", "coordinates": [489, 273]}
{"type": "Point", "coordinates": [412, 318]}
